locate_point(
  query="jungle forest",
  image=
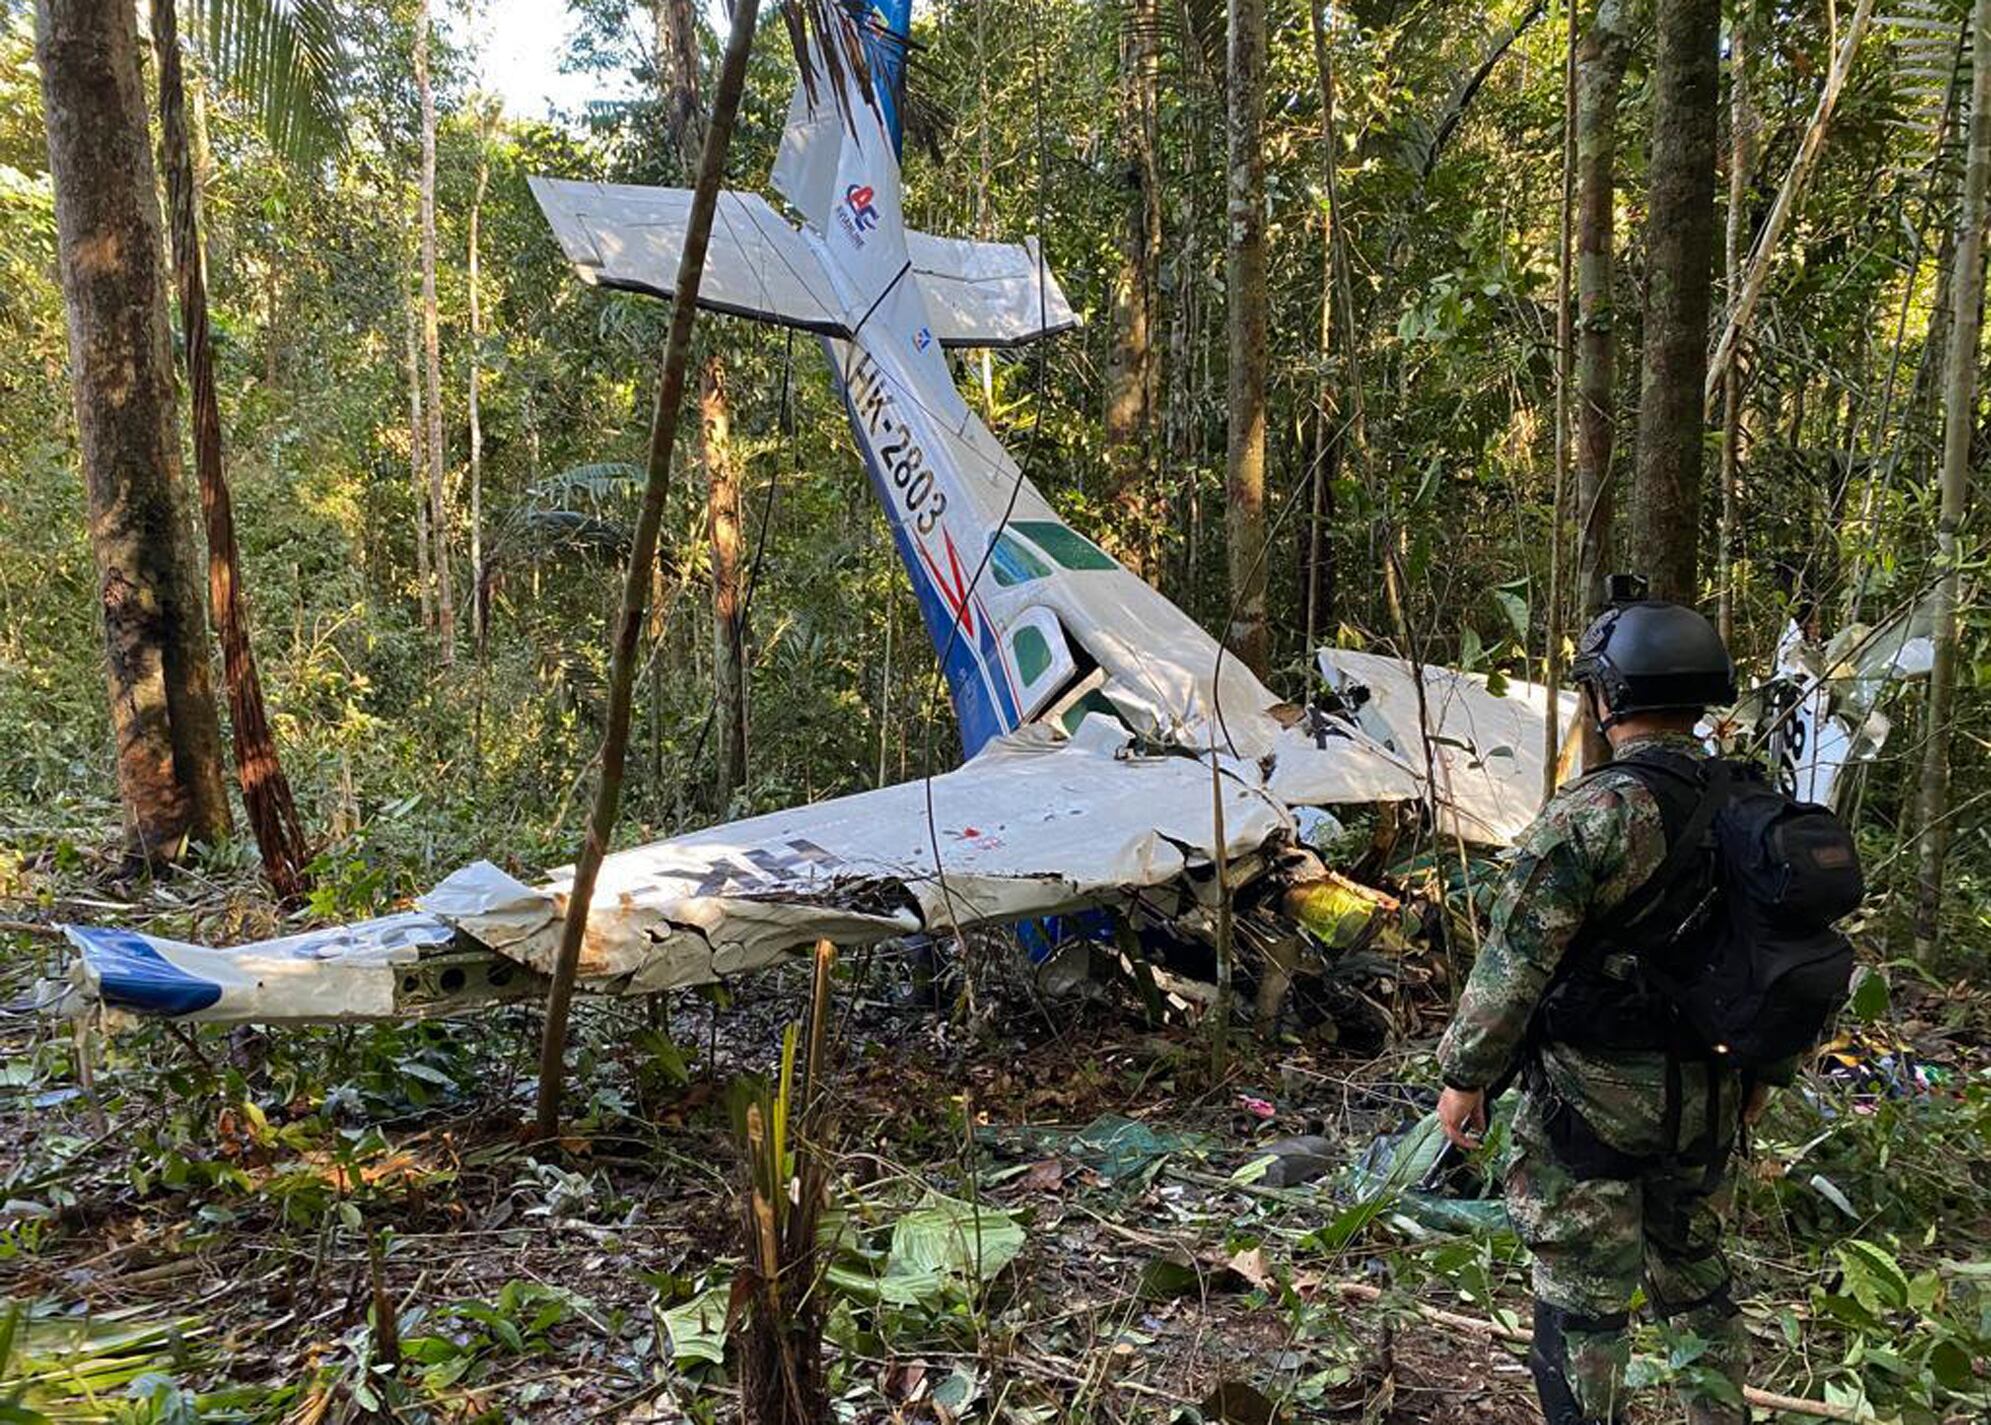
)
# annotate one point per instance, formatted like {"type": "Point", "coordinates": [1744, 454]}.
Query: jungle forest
{"type": "Point", "coordinates": [820, 726]}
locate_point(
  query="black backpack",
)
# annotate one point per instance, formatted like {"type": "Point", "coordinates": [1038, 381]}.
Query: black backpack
{"type": "Point", "coordinates": [1734, 931]}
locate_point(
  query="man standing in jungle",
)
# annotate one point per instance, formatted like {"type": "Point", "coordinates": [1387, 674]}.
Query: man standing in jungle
{"type": "Point", "coordinates": [1621, 1143]}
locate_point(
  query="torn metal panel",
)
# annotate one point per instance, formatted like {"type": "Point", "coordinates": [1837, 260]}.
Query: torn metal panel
{"type": "Point", "coordinates": [377, 969]}
{"type": "Point", "coordinates": [1485, 751]}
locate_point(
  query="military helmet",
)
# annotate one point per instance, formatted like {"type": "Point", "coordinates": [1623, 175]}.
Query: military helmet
{"type": "Point", "coordinates": [1654, 656]}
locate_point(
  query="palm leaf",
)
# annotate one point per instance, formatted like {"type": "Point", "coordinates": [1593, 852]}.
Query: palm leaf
{"type": "Point", "coordinates": [283, 59]}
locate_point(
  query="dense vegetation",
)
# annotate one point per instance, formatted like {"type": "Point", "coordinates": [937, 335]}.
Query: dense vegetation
{"type": "Point", "coordinates": [1448, 201]}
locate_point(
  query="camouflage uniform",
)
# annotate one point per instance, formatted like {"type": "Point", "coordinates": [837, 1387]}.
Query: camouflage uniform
{"type": "Point", "coordinates": [1594, 1238]}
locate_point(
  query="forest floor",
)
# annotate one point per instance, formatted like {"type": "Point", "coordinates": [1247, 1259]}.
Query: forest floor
{"type": "Point", "coordinates": [216, 1226]}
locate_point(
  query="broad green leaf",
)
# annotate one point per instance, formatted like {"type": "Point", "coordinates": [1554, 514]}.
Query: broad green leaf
{"type": "Point", "coordinates": [945, 1247]}
{"type": "Point", "coordinates": [1873, 1277]}
{"type": "Point", "coordinates": [1870, 996]}
{"type": "Point", "coordinates": [697, 1328]}
{"type": "Point", "coordinates": [1949, 1363]}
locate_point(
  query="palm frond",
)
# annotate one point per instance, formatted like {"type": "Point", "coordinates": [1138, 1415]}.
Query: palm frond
{"type": "Point", "coordinates": [822, 27]}
{"type": "Point", "coordinates": [596, 481]}
{"type": "Point", "coordinates": [283, 59]}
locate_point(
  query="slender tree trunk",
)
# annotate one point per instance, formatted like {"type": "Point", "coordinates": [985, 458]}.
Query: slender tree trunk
{"type": "Point", "coordinates": [265, 791]}
{"type": "Point", "coordinates": [479, 614]}
{"type": "Point", "coordinates": [1959, 424]}
{"type": "Point", "coordinates": [728, 612]}
{"type": "Point", "coordinates": [108, 254]}
{"type": "Point", "coordinates": [418, 463]}
{"type": "Point", "coordinates": [1741, 162]}
{"type": "Point", "coordinates": [1132, 356]}
{"type": "Point", "coordinates": [1181, 414]}
{"type": "Point", "coordinates": [1744, 297]}
{"type": "Point", "coordinates": [1565, 372]}
{"type": "Point", "coordinates": [1249, 634]}
{"type": "Point", "coordinates": [1319, 587]}
{"type": "Point", "coordinates": [1680, 218]}
{"type": "Point", "coordinates": [677, 46]}
{"type": "Point", "coordinates": [1601, 57]}
{"type": "Point", "coordinates": [642, 553]}
{"type": "Point", "coordinates": [432, 346]}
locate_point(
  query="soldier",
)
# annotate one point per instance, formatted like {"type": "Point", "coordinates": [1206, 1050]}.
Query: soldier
{"type": "Point", "coordinates": [1621, 1144]}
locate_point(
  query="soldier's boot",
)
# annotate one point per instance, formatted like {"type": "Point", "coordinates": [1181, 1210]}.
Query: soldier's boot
{"type": "Point", "coordinates": [1579, 1381]}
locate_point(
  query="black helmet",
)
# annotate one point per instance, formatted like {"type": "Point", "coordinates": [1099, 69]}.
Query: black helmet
{"type": "Point", "coordinates": [1653, 656]}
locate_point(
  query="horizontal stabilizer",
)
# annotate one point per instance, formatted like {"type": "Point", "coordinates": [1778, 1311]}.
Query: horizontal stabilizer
{"type": "Point", "coordinates": [987, 293]}
{"type": "Point", "coordinates": [629, 237]}
{"type": "Point", "coordinates": [758, 265]}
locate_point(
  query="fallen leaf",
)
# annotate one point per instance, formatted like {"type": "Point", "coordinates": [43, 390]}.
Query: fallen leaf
{"type": "Point", "coordinates": [1045, 1176]}
{"type": "Point", "coordinates": [1255, 1267]}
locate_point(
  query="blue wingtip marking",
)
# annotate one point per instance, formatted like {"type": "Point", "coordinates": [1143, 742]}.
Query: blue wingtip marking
{"type": "Point", "coordinates": [135, 976]}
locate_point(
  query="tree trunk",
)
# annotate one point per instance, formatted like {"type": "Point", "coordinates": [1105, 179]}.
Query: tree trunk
{"type": "Point", "coordinates": [1741, 162]}
{"type": "Point", "coordinates": [1601, 57]}
{"type": "Point", "coordinates": [432, 346]}
{"type": "Point", "coordinates": [677, 63]}
{"type": "Point", "coordinates": [723, 529]}
{"type": "Point", "coordinates": [480, 614]}
{"type": "Point", "coordinates": [1680, 218]}
{"type": "Point", "coordinates": [1565, 369]}
{"type": "Point", "coordinates": [265, 791]}
{"type": "Point", "coordinates": [418, 462]}
{"type": "Point", "coordinates": [642, 553]}
{"type": "Point", "coordinates": [1249, 634]}
{"type": "Point", "coordinates": [1318, 587]}
{"type": "Point", "coordinates": [1132, 358]}
{"type": "Point", "coordinates": [1744, 298]}
{"type": "Point", "coordinates": [108, 252]}
{"type": "Point", "coordinates": [1959, 423]}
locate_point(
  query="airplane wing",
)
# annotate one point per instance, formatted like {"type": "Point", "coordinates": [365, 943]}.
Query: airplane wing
{"type": "Point", "coordinates": [1033, 826]}
{"type": "Point", "coordinates": [628, 237]}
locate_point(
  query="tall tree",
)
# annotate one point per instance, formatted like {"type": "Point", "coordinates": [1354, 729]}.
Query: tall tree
{"type": "Point", "coordinates": [1741, 164]}
{"type": "Point", "coordinates": [1749, 289]}
{"type": "Point", "coordinates": [1565, 371]}
{"type": "Point", "coordinates": [1680, 228]}
{"type": "Point", "coordinates": [1959, 426]}
{"type": "Point", "coordinates": [1601, 56]}
{"type": "Point", "coordinates": [432, 344]}
{"type": "Point", "coordinates": [642, 553]}
{"type": "Point", "coordinates": [265, 790]}
{"type": "Point", "coordinates": [1249, 634]}
{"type": "Point", "coordinates": [1317, 587]}
{"type": "Point", "coordinates": [418, 460]}
{"type": "Point", "coordinates": [473, 395]}
{"type": "Point", "coordinates": [1133, 360]}
{"type": "Point", "coordinates": [677, 56]}
{"type": "Point", "coordinates": [114, 289]}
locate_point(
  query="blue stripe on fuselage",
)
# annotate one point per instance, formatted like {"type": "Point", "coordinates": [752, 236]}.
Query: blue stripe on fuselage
{"type": "Point", "coordinates": [133, 975]}
{"type": "Point", "coordinates": [982, 700]}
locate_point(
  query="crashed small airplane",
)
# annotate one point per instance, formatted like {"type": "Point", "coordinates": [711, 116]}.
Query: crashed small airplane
{"type": "Point", "coordinates": [1114, 755]}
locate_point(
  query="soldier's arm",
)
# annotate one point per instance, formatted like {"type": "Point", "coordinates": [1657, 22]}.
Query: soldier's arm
{"type": "Point", "coordinates": [1571, 854]}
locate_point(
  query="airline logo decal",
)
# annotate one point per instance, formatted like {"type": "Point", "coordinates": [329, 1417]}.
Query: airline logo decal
{"type": "Point", "coordinates": [859, 214]}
